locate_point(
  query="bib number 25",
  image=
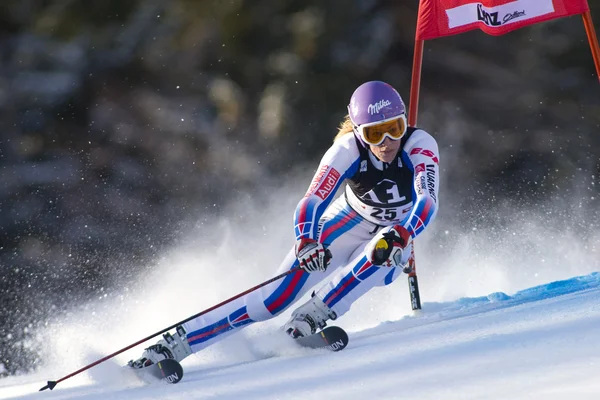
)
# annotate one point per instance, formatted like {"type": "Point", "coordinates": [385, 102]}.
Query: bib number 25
{"type": "Point", "coordinates": [384, 214]}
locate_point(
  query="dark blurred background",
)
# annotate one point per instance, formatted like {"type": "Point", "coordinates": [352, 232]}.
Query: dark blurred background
{"type": "Point", "coordinates": [122, 121]}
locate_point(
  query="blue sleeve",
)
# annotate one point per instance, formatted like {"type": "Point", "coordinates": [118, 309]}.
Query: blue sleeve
{"type": "Point", "coordinates": [339, 163]}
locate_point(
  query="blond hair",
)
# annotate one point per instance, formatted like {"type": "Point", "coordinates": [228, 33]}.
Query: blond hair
{"type": "Point", "coordinates": [344, 128]}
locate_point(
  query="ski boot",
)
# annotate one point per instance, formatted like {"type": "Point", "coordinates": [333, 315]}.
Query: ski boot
{"type": "Point", "coordinates": [309, 317]}
{"type": "Point", "coordinates": [170, 346]}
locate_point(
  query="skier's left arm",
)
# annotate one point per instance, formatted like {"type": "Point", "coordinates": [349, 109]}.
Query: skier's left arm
{"type": "Point", "coordinates": [422, 153]}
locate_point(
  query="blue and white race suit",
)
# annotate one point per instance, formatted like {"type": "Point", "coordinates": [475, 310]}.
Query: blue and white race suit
{"type": "Point", "coordinates": [377, 196]}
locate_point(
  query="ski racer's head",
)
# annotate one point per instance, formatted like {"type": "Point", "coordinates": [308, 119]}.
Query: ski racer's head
{"type": "Point", "coordinates": [378, 117]}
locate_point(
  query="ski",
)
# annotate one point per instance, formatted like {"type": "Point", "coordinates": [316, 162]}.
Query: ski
{"type": "Point", "coordinates": [168, 370]}
{"type": "Point", "coordinates": [332, 338]}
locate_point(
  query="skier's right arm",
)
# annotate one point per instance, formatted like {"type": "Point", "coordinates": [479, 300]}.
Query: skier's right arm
{"type": "Point", "coordinates": [339, 162]}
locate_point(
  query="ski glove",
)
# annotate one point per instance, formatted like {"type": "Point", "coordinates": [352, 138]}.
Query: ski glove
{"type": "Point", "coordinates": [312, 255]}
{"type": "Point", "coordinates": [389, 248]}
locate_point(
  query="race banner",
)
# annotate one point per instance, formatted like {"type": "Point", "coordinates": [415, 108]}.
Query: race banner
{"type": "Point", "coordinates": [438, 18]}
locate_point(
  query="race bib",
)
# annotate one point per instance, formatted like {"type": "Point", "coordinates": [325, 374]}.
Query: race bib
{"type": "Point", "coordinates": [378, 214]}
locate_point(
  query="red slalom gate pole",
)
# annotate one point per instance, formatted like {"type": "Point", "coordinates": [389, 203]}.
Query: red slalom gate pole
{"type": "Point", "coordinates": [52, 384]}
{"type": "Point", "coordinates": [592, 39]}
{"type": "Point", "coordinates": [413, 104]}
{"type": "Point", "coordinates": [413, 110]}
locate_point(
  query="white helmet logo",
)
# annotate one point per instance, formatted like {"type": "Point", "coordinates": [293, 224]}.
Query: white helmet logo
{"type": "Point", "coordinates": [375, 108]}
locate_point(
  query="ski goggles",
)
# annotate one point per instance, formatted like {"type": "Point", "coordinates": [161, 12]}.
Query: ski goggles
{"type": "Point", "coordinates": [374, 133]}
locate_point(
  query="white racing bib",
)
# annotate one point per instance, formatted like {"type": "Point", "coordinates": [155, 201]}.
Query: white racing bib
{"type": "Point", "coordinates": [379, 215]}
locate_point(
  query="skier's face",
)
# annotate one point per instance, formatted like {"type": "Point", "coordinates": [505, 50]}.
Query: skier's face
{"type": "Point", "coordinates": [387, 150]}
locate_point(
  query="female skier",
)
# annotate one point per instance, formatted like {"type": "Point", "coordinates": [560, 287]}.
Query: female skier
{"type": "Point", "coordinates": [351, 244]}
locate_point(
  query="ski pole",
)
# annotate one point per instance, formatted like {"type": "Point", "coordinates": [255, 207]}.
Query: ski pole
{"type": "Point", "coordinates": [52, 384]}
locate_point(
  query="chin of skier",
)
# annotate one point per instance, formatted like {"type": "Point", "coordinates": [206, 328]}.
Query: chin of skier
{"type": "Point", "coordinates": [344, 246]}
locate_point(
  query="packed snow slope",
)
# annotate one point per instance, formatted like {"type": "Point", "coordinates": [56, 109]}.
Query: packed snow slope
{"type": "Point", "coordinates": [538, 343]}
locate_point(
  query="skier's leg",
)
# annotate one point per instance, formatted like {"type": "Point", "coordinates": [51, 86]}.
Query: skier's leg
{"type": "Point", "coordinates": [345, 234]}
{"type": "Point", "coordinates": [359, 276]}
{"type": "Point", "coordinates": [272, 299]}
{"type": "Point", "coordinates": [261, 304]}
{"type": "Point", "coordinates": [348, 283]}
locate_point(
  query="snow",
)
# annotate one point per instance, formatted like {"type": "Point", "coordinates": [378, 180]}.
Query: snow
{"type": "Point", "coordinates": [508, 313]}
{"type": "Point", "coordinates": [540, 342]}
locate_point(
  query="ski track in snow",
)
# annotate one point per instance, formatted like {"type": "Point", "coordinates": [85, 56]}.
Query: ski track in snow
{"type": "Point", "coordinates": [540, 343]}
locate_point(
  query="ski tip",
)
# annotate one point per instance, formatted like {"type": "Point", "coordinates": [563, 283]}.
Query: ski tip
{"type": "Point", "coordinates": [50, 385]}
{"type": "Point", "coordinates": [170, 370]}
{"type": "Point", "coordinates": [341, 341]}
{"type": "Point", "coordinates": [333, 338]}
{"type": "Point", "coordinates": [339, 331]}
